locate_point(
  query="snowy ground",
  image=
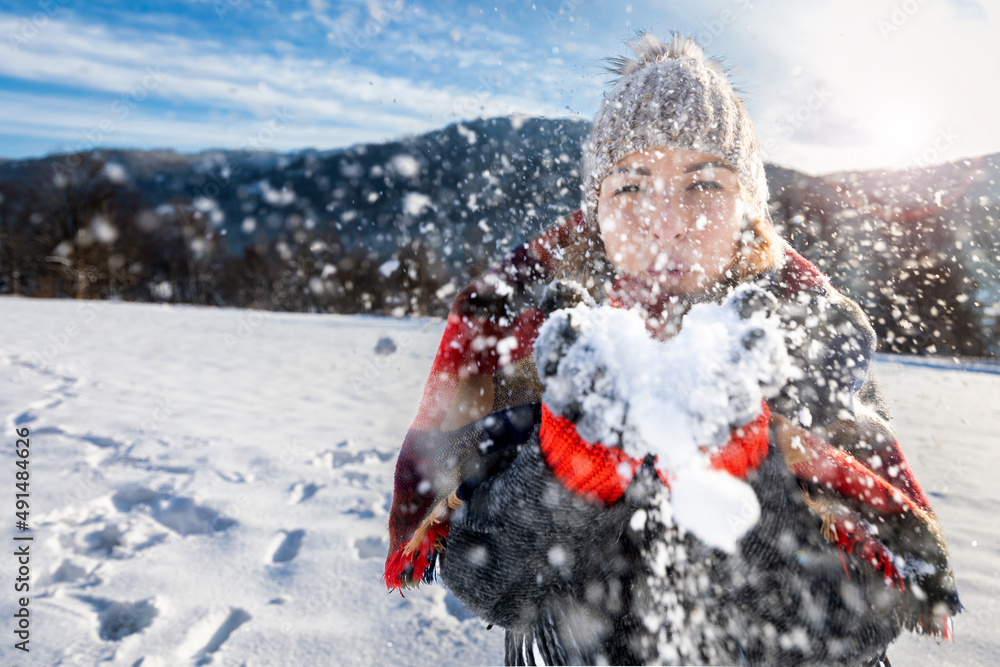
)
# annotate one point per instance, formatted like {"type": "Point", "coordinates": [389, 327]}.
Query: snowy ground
{"type": "Point", "coordinates": [212, 486]}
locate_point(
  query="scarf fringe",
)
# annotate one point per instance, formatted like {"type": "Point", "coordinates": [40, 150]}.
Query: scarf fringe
{"type": "Point", "coordinates": [853, 537]}
{"type": "Point", "coordinates": [942, 628]}
{"type": "Point", "coordinates": [850, 533]}
{"type": "Point", "coordinates": [413, 563]}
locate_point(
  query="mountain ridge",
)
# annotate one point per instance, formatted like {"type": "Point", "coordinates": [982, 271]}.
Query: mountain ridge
{"type": "Point", "coordinates": [423, 214]}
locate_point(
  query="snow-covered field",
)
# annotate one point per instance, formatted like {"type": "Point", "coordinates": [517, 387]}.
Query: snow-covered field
{"type": "Point", "coordinates": [212, 486]}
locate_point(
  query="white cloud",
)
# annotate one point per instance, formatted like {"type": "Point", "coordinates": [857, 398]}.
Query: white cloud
{"type": "Point", "coordinates": [333, 103]}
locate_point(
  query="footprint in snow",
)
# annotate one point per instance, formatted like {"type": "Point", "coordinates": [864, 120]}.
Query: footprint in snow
{"type": "Point", "coordinates": [70, 573]}
{"type": "Point", "coordinates": [353, 478]}
{"type": "Point", "coordinates": [184, 517]}
{"type": "Point", "coordinates": [342, 455]}
{"type": "Point", "coordinates": [363, 509]}
{"type": "Point", "coordinates": [231, 477]}
{"type": "Point", "coordinates": [104, 540]}
{"type": "Point", "coordinates": [120, 619]}
{"type": "Point", "coordinates": [37, 409]}
{"type": "Point", "coordinates": [179, 513]}
{"type": "Point", "coordinates": [24, 417]}
{"type": "Point", "coordinates": [209, 634]}
{"type": "Point", "coordinates": [126, 499]}
{"type": "Point", "coordinates": [101, 441]}
{"type": "Point", "coordinates": [302, 491]}
{"type": "Point", "coordinates": [334, 459]}
{"type": "Point", "coordinates": [371, 547]}
{"type": "Point", "coordinates": [286, 546]}
{"type": "Point", "coordinates": [67, 571]}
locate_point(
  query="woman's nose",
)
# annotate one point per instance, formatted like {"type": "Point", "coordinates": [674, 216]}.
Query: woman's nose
{"type": "Point", "coordinates": [669, 222]}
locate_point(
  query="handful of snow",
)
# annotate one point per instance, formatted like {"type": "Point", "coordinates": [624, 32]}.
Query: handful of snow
{"type": "Point", "coordinates": [603, 371]}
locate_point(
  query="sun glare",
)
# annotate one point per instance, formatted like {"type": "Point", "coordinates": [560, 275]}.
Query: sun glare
{"type": "Point", "coordinates": [899, 132]}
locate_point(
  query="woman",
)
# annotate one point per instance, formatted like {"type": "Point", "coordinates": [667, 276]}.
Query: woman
{"type": "Point", "coordinates": [545, 520]}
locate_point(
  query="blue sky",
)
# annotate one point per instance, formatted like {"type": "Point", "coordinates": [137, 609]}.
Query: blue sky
{"type": "Point", "coordinates": [832, 85]}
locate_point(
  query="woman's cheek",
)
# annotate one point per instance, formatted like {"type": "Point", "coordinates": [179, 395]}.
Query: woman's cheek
{"type": "Point", "coordinates": [616, 220]}
{"type": "Point", "coordinates": [609, 228]}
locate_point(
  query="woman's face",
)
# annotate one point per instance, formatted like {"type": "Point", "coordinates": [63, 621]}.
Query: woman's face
{"type": "Point", "coordinates": [672, 218]}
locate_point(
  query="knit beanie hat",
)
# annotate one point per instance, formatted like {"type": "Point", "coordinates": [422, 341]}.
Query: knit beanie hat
{"type": "Point", "coordinates": [672, 95]}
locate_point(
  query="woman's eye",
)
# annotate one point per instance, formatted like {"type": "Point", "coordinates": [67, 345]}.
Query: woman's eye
{"type": "Point", "coordinates": [704, 185]}
{"type": "Point", "coordinates": [626, 188]}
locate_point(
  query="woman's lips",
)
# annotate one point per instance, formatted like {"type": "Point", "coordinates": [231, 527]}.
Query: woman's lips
{"type": "Point", "coordinates": [668, 272]}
